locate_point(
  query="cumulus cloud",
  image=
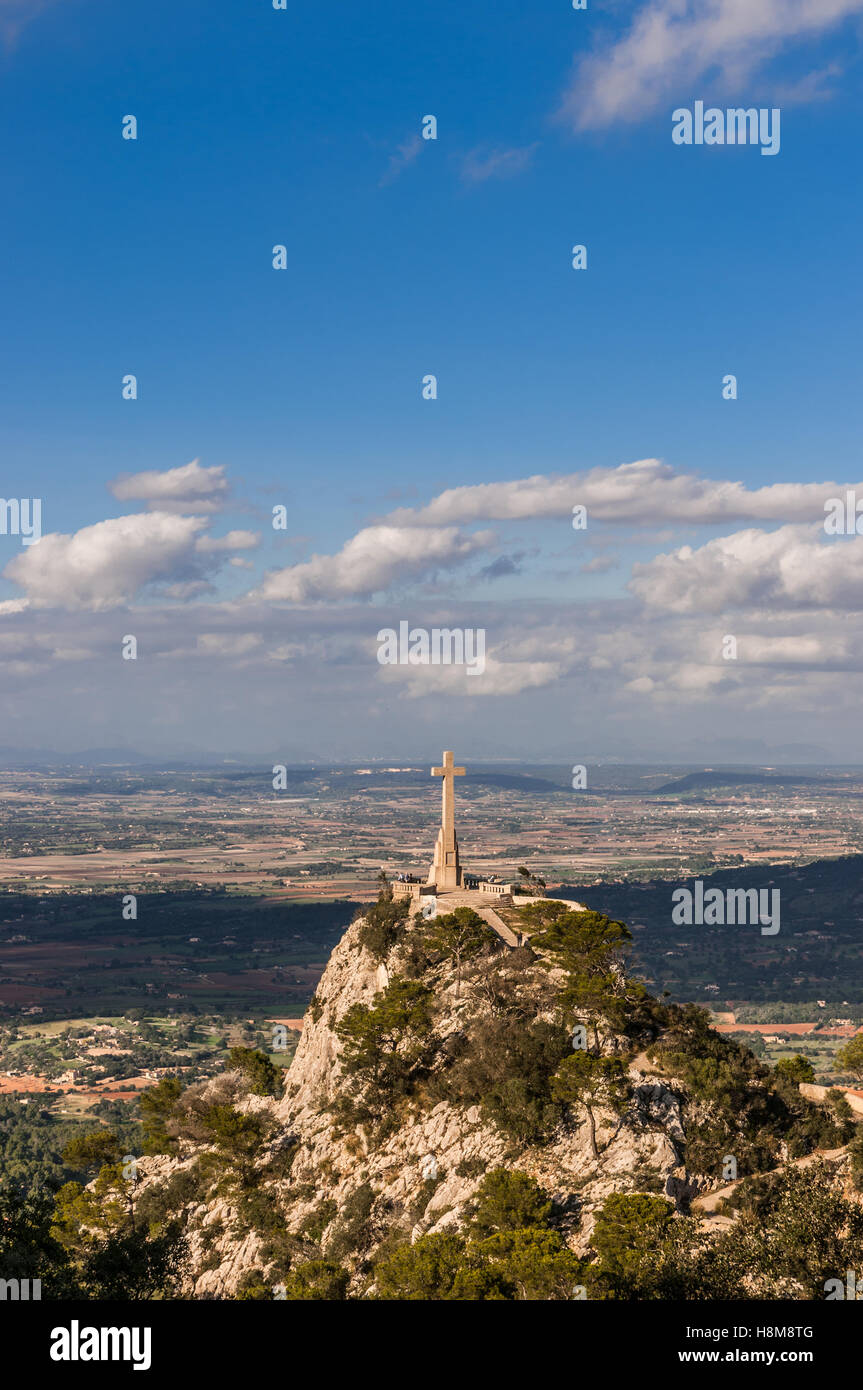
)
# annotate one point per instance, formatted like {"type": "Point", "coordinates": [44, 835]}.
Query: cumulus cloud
{"type": "Point", "coordinates": [184, 489]}
{"type": "Point", "coordinates": [619, 675]}
{"type": "Point", "coordinates": [672, 45]}
{"type": "Point", "coordinates": [645, 491]}
{"type": "Point", "coordinates": [371, 561]}
{"type": "Point", "coordinates": [792, 567]}
{"type": "Point", "coordinates": [105, 565]}
{"type": "Point", "coordinates": [649, 659]}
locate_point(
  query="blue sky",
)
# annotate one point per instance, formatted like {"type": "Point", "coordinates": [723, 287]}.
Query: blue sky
{"type": "Point", "coordinates": [408, 257]}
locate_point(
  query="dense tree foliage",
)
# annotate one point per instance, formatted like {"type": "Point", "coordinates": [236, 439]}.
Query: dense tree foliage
{"type": "Point", "coordinates": [850, 1057]}
{"type": "Point", "coordinates": [733, 1104]}
{"type": "Point", "coordinates": [795, 1069]}
{"type": "Point", "coordinates": [29, 1247]}
{"type": "Point", "coordinates": [509, 1250]}
{"type": "Point", "coordinates": [382, 924]}
{"type": "Point", "coordinates": [457, 937]}
{"type": "Point", "coordinates": [384, 1048]}
{"type": "Point", "coordinates": [157, 1107]}
{"type": "Point", "coordinates": [585, 1081]}
{"type": "Point", "coordinates": [508, 1200]}
{"type": "Point", "coordinates": [34, 1143]}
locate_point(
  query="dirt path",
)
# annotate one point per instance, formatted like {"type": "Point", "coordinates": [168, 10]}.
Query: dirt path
{"type": "Point", "coordinates": [709, 1202]}
{"type": "Point", "coordinates": [642, 1063]}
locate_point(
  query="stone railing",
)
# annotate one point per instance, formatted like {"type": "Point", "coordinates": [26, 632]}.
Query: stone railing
{"type": "Point", "coordinates": [412, 890]}
{"type": "Point", "coordinates": [495, 890]}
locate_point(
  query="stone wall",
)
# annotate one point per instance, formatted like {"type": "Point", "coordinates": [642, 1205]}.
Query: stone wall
{"type": "Point", "coordinates": [854, 1098]}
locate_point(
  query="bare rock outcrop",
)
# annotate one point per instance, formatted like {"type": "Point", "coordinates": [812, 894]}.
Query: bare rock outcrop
{"type": "Point", "coordinates": [418, 1171]}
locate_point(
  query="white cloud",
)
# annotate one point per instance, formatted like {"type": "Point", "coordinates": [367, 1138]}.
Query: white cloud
{"type": "Point", "coordinates": [228, 643]}
{"type": "Point", "coordinates": [371, 561]}
{"type": "Point", "coordinates": [788, 568]}
{"type": "Point", "coordinates": [798, 649]}
{"type": "Point", "coordinates": [646, 491]}
{"type": "Point", "coordinates": [188, 488]}
{"type": "Point", "coordinates": [672, 45]}
{"type": "Point", "coordinates": [105, 565]}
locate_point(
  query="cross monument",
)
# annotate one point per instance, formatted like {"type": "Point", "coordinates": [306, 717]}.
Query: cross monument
{"type": "Point", "coordinates": [446, 869]}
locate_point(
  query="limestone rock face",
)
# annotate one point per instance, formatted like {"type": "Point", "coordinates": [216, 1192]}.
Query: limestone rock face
{"type": "Point", "coordinates": [417, 1173]}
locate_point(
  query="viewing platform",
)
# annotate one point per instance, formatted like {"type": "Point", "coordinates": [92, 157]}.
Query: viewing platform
{"type": "Point", "coordinates": [410, 887]}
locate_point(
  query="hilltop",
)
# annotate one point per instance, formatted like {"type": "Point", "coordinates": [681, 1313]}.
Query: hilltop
{"type": "Point", "coordinates": [463, 1120]}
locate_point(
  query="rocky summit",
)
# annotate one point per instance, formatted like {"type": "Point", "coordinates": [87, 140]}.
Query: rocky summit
{"type": "Point", "coordinates": [460, 1110]}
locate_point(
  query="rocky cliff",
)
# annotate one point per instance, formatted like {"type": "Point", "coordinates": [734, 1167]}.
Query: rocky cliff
{"type": "Point", "coordinates": [434, 1054]}
{"type": "Point", "coordinates": [415, 1168]}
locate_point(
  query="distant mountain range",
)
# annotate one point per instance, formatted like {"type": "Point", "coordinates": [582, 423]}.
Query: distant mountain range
{"type": "Point", "coordinates": [90, 757]}
{"type": "Point", "coordinates": [730, 777]}
{"type": "Point", "coordinates": [604, 779]}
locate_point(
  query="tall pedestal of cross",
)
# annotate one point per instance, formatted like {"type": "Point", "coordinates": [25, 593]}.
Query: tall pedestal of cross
{"type": "Point", "coordinates": [446, 869]}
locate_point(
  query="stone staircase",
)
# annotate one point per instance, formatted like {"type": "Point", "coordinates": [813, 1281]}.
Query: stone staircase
{"type": "Point", "coordinates": [466, 897]}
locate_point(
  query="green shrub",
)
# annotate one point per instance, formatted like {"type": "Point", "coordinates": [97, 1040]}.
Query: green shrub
{"type": "Point", "coordinates": [167, 1199]}
{"type": "Point", "coordinates": [158, 1106]}
{"type": "Point", "coordinates": [382, 925]}
{"type": "Point", "coordinates": [316, 1222]}
{"type": "Point", "coordinates": [263, 1077]}
{"type": "Point", "coordinates": [507, 1071]}
{"type": "Point", "coordinates": [352, 1232]}
{"type": "Point", "coordinates": [507, 1200]}
{"type": "Point", "coordinates": [794, 1069]}
{"type": "Point", "coordinates": [320, 1280]}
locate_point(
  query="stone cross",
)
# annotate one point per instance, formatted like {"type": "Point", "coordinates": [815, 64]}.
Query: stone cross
{"type": "Point", "coordinates": [446, 869]}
